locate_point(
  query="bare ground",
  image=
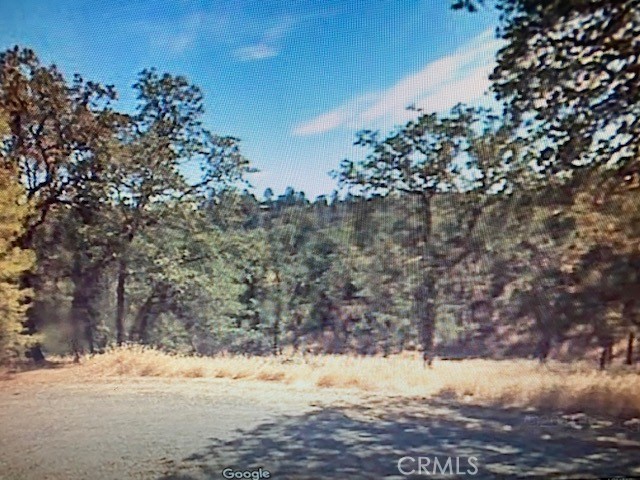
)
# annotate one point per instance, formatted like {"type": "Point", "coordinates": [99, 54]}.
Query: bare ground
{"type": "Point", "coordinates": [187, 429]}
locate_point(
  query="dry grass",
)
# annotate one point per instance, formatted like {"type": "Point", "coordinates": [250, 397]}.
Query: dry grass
{"type": "Point", "coordinates": [517, 383]}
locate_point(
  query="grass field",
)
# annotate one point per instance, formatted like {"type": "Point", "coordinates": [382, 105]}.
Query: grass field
{"type": "Point", "coordinates": [508, 383]}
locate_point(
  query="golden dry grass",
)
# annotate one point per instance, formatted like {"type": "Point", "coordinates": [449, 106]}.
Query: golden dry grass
{"type": "Point", "coordinates": [514, 383]}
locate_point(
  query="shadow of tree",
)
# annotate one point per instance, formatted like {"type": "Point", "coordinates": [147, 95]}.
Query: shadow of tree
{"type": "Point", "coordinates": [366, 441]}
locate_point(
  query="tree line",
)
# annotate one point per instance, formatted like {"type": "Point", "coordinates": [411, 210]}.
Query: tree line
{"type": "Point", "coordinates": [470, 232]}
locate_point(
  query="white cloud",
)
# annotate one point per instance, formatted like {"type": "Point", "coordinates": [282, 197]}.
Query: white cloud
{"type": "Point", "coordinates": [175, 38]}
{"type": "Point", "coordinates": [467, 89]}
{"type": "Point", "coordinates": [459, 77]}
{"type": "Point", "coordinates": [323, 123]}
{"type": "Point", "coordinates": [259, 51]}
{"type": "Point", "coordinates": [269, 43]}
{"type": "Point", "coordinates": [179, 43]}
{"type": "Point", "coordinates": [344, 115]}
{"type": "Point", "coordinates": [235, 27]}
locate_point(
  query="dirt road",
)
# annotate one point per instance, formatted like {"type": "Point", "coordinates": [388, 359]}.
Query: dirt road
{"type": "Point", "coordinates": [187, 429]}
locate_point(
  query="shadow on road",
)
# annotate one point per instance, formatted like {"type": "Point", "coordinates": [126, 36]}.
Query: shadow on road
{"type": "Point", "coordinates": [366, 442]}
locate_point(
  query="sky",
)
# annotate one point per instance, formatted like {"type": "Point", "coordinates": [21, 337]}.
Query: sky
{"type": "Point", "coordinates": [293, 80]}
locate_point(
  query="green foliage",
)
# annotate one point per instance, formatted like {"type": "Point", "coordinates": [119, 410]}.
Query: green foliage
{"type": "Point", "coordinates": [463, 157]}
{"type": "Point", "coordinates": [569, 76]}
{"type": "Point", "coordinates": [14, 261]}
{"type": "Point", "coordinates": [466, 232]}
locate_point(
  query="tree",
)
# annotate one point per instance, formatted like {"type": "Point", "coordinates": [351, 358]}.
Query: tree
{"type": "Point", "coordinates": [143, 174]}
{"type": "Point", "coordinates": [116, 174]}
{"type": "Point", "coordinates": [186, 286]}
{"type": "Point", "coordinates": [537, 286]}
{"type": "Point", "coordinates": [463, 156]}
{"type": "Point", "coordinates": [14, 262]}
{"type": "Point", "coordinates": [147, 173]}
{"type": "Point", "coordinates": [382, 271]}
{"type": "Point", "coordinates": [569, 76]}
{"type": "Point", "coordinates": [56, 130]}
{"type": "Point", "coordinates": [604, 259]}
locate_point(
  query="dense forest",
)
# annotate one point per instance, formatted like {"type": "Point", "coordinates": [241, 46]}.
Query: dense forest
{"type": "Point", "coordinates": [466, 233]}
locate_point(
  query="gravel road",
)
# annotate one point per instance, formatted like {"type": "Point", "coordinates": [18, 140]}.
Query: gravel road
{"type": "Point", "coordinates": [188, 429]}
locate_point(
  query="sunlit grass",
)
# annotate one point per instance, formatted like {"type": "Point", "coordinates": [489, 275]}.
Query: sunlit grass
{"type": "Point", "coordinates": [516, 383]}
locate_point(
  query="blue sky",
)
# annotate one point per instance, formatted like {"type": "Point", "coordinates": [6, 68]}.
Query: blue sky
{"type": "Point", "coordinates": [294, 80]}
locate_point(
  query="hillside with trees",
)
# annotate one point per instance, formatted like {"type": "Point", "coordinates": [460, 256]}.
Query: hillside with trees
{"type": "Point", "coordinates": [479, 233]}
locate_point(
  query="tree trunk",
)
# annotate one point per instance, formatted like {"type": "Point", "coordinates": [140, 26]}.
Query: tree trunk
{"type": "Point", "coordinates": [425, 297]}
{"type": "Point", "coordinates": [606, 356]}
{"type": "Point", "coordinates": [603, 358]}
{"type": "Point", "coordinates": [84, 314]}
{"type": "Point", "coordinates": [426, 293]}
{"type": "Point", "coordinates": [76, 315]}
{"type": "Point", "coordinates": [628, 317]}
{"type": "Point", "coordinates": [544, 347]}
{"type": "Point", "coordinates": [629, 358]}
{"type": "Point", "coordinates": [297, 322]}
{"type": "Point", "coordinates": [276, 335]}
{"type": "Point", "coordinates": [34, 352]}
{"type": "Point", "coordinates": [81, 321]}
{"type": "Point", "coordinates": [276, 326]}
{"type": "Point", "coordinates": [120, 301]}
{"type": "Point", "coordinates": [139, 329]}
